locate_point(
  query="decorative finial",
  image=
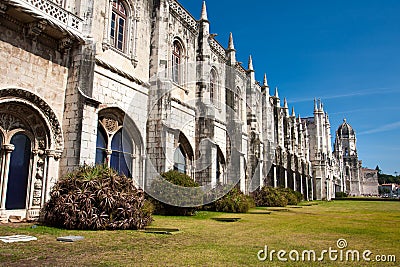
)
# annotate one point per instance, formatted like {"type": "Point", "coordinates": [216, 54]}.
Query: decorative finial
{"type": "Point", "coordinates": [265, 83]}
{"type": "Point", "coordinates": [293, 114]}
{"type": "Point", "coordinates": [250, 66]}
{"type": "Point", "coordinates": [204, 12]}
{"type": "Point", "coordinates": [276, 92]}
{"type": "Point", "coordinates": [285, 105]}
{"type": "Point", "coordinates": [231, 46]}
{"type": "Point", "coordinates": [315, 104]}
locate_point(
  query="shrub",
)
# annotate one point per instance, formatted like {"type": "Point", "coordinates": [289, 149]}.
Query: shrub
{"type": "Point", "coordinates": [182, 200]}
{"type": "Point", "coordinates": [293, 197]}
{"type": "Point", "coordinates": [234, 201]}
{"type": "Point", "coordinates": [340, 194]}
{"type": "Point", "coordinates": [96, 198]}
{"type": "Point", "coordinates": [269, 197]}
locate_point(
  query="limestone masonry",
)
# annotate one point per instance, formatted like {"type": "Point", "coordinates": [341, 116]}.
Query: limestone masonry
{"type": "Point", "coordinates": [140, 83]}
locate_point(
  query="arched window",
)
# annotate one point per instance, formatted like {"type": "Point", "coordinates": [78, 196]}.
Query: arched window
{"type": "Point", "coordinates": [101, 146]}
{"type": "Point", "coordinates": [180, 159]}
{"type": "Point", "coordinates": [115, 147]}
{"type": "Point", "coordinates": [176, 61]}
{"type": "Point", "coordinates": [230, 99]}
{"type": "Point", "coordinates": [214, 92]}
{"type": "Point", "coordinates": [121, 157]}
{"type": "Point", "coordinates": [18, 172]}
{"type": "Point", "coordinates": [118, 25]}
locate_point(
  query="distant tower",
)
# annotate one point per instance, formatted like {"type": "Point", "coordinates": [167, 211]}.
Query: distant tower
{"type": "Point", "coordinates": [346, 152]}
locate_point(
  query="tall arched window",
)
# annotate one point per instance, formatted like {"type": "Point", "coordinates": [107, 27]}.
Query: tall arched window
{"type": "Point", "coordinates": [115, 146]}
{"type": "Point", "coordinates": [122, 151]}
{"type": "Point", "coordinates": [214, 92]}
{"type": "Point", "coordinates": [118, 25]}
{"type": "Point", "coordinates": [176, 61]}
{"type": "Point", "coordinates": [101, 146]}
{"type": "Point", "coordinates": [18, 172]}
{"type": "Point", "coordinates": [180, 159]}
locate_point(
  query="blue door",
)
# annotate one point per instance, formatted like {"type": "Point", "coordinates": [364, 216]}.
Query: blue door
{"type": "Point", "coordinates": [18, 172]}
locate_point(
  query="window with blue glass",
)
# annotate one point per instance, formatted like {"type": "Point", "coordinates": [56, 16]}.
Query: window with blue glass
{"type": "Point", "coordinates": [180, 160]}
{"type": "Point", "coordinates": [18, 172]}
{"type": "Point", "coordinates": [118, 25]}
{"type": "Point", "coordinates": [115, 150]}
{"type": "Point", "coordinates": [121, 157]}
{"type": "Point", "coordinates": [101, 146]}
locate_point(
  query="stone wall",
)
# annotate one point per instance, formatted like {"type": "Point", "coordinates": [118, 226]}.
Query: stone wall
{"type": "Point", "coordinates": [369, 182]}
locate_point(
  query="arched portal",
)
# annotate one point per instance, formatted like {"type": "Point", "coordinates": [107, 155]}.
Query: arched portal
{"type": "Point", "coordinates": [31, 145]}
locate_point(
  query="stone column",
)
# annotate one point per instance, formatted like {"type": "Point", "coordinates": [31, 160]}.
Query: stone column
{"type": "Point", "coordinates": [8, 149]}
{"type": "Point", "coordinates": [242, 174]}
{"type": "Point", "coordinates": [52, 170]}
{"type": "Point", "coordinates": [294, 181]}
{"type": "Point", "coordinates": [301, 184]}
{"type": "Point", "coordinates": [108, 156]}
{"type": "Point", "coordinates": [261, 166]}
{"type": "Point", "coordinates": [35, 183]}
{"type": "Point", "coordinates": [307, 193]}
{"type": "Point", "coordinates": [286, 182]}
{"type": "Point", "coordinates": [274, 181]}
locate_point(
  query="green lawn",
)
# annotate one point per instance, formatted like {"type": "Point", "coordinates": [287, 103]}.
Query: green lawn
{"type": "Point", "coordinates": [202, 241]}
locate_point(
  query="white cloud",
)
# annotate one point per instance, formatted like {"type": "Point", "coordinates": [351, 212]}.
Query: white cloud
{"type": "Point", "coordinates": [376, 91]}
{"type": "Point", "coordinates": [383, 128]}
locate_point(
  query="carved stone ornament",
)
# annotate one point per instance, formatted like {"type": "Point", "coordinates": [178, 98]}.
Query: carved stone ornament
{"type": "Point", "coordinates": [36, 28]}
{"type": "Point", "coordinates": [44, 108]}
{"type": "Point", "coordinates": [65, 44]}
{"type": "Point", "coordinates": [3, 8]}
{"type": "Point", "coordinates": [110, 124]}
{"type": "Point", "coordinates": [8, 122]}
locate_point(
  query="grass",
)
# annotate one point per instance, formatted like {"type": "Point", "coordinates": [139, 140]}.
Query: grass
{"type": "Point", "coordinates": [206, 242]}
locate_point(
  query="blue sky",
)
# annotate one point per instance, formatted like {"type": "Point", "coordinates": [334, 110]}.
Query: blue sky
{"type": "Point", "coordinates": [345, 52]}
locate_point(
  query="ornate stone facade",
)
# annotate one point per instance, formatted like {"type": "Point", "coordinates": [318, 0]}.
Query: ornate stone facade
{"type": "Point", "coordinates": [135, 84]}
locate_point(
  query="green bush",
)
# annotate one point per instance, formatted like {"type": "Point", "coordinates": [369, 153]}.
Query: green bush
{"type": "Point", "coordinates": [293, 197]}
{"type": "Point", "coordinates": [182, 200]}
{"type": "Point", "coordinates": [234, 201]}
{"type": "Point", "coordinates": [340, 195]}
{"type": "Point", "coordinates": [96, 198]}
{"type": "Point", "coordinates": [269, 196]}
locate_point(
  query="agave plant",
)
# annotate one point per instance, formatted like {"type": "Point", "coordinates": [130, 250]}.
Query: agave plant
{"type": "Point", "coordinates": [96, 198]}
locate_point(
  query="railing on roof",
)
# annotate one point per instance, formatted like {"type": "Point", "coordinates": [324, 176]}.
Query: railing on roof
{"type": "Point", "coordinates": [183, 15]}
{"type": "Point", "coordinates": [56, 12]}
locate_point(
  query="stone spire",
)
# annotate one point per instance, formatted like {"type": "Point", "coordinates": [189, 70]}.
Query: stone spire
{"type": "Point", "coordinates": [315, 105]}
{"type": "Point", "coordinates": [285, 107]}
{"type": "Point", "coordinates": [250, 65]}
{"type": "Point", "coordinates": [321, 106]}
{"type": "Point", "coordinates": [265, 86]}
{"type": "Point", "coordinates": [250, 71]}
{"type": "Point", "coordinates": [231, 46]}
{"type": "Point", "coordinates": [204, 16]}
{"type": "Point", "coordinates": [293, 114]}
{"type": "Point", "coordinates": [231, 52]}
{"type": "Point", "coordinates": [265, 82]}
{"type": "Point", "coordinates": [276, 92]}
